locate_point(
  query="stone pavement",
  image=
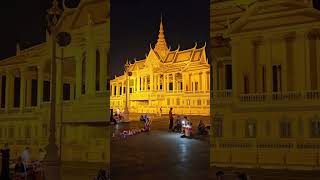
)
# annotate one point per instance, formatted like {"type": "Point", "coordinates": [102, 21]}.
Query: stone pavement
{"type": "Point", "coordinates": [158, 154]}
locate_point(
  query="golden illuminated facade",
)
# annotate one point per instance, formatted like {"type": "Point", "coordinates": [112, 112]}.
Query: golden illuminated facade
{"type": "Point", "coordinates": [266, 91]}
{"type": "Point", "coordinates": [165, 78]}
{"type": "Point", "coordinates": [82, 96]}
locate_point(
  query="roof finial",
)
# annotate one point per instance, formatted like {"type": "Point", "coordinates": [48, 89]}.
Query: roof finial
{"type": "Point", "coordinates": [161, 45]}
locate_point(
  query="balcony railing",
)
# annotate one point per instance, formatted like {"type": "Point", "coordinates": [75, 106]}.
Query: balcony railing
{"type": "Point", "coordinates": [291, 96]}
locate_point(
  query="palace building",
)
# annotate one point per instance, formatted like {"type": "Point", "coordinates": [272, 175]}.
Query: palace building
{"type": "Point", "coordinates": [165, 78]}
{"type": "Point", "coordinates": [81, 91]}
{"type": "Point", "coordinates": [266, 92]}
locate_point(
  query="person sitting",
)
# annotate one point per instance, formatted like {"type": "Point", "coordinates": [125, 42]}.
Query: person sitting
{"type": "Point", "coordinates": [178, 126]}
{"type": "Point", "coordinates": [202, 128]}
{"type": "Point", "coordinates": [19, 169]}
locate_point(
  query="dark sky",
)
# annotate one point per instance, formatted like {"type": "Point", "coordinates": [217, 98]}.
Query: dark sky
{"type": "Point", "coordinates": [135, 24]}
{"type": "Point", "coordinates": [22, 21]}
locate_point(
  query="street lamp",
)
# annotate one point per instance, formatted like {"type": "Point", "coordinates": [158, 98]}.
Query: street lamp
{"type": "Point", "coordinates": [128, 74]}
{"type": "Point", "coordinates": [52, 158]}
{"type": "Point", "coordinates": [52, 161]}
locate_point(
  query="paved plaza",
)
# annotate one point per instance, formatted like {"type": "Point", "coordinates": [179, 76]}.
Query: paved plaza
{"type": "Point", "coordinates": [158, 154]}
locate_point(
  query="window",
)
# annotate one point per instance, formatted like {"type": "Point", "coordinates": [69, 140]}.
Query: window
{"type": "Point", "coordinates": [251, 129]}
{"type": "Point", "coordinates": [34, 92]}
{"type": "Point", "coordinates": [208, 102]}
{"type": "Point", "coordinates": [83, 87]}
{"type": "Point", "coordinates": [168, 101]}
{"type": "Point", "coordinates": [315, 127]}
{"type": "Point", "coordinates": [228, 74]}
{"type": "Point", "coordinates": [196, 85]}
{"type": "Point", "coordinates": [46, 91]}
{"type": "Point", "coordinates": [217, 125]}
{"type": "Point", "coordinates": [285, 129]}
{"type": "Point", "coordinates": [178, 102]}
{"type": "Point", "coordinates": [170, 86]}
{"type": "Point", "coordinates": [199, 102]}
{"type": "Point", "coordinates": [66, 91]}
{"type": "Point", "coordinates": [276, 78]}
{"type": "Point", "coordinates": [16, 98]}
{"type": "Point", "coordinates": [264, 78]}
{"type": "Point", "coordinates": [115, 90]}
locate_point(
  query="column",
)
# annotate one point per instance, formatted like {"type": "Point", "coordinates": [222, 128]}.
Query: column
{"type": "Point", "coordinates": [103, 69]}
{"type": "Point", "coordinates": [90, 62]}
{"type": "Point", "coordinates": [138, 83]}
{"type": "Point", "coordinates": [158, 82]}
{"type": "Point", "coordinates": [146, 83]}
{"type": "Point", "coordinates": [22, 88]}
{"type": "Point", "coordinates": [299, 59]}
{"type": "Point", "coordinates": [59, 81]}
{"type": "Point", "coordinates": [308, 70]}
{"type": "Point", "coordinates": [284, 71]}
{"type": "Point", "coordinates": [203, 81]}
{"type": "Point", "coordinates": [122, 88]}
{"type": "Point", "coordinates": [134, 84]}
{"type": "Point", "coordinates": [269, 65]}
{"type": "Point", "coordinates": [151, 82]}
{"type": "Point", "coordinates": [71, 90]}
{"type": "Point", "coordinates": [164, 82]}
{"type": "Point", "coordinates": [40, 86]}
{"type": "Point", "coordinates": [318, 59]}
{"type": "Point", "coordinates": [28, 91]}
{"type": "Point", "coordinates": [78, 76]}
{"type": "Point", "coordinates": [8, 90]}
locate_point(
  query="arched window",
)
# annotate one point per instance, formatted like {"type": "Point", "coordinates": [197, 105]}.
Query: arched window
{"type": "Point", "coordinates": [97, 70]}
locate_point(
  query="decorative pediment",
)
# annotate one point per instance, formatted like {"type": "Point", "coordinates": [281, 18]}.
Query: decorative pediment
{"type": "Point", "coordinates": [152, 60]}
{"type": "Point", "coordinates": [271, 14]}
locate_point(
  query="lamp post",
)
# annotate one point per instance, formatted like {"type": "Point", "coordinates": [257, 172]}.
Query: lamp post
{"type": "Point", "coordinates": [128, 74]}
{"type": "Point", "coordinates": [52, 161]}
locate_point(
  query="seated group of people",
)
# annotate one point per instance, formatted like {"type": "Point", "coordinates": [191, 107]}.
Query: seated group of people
{"type": "Point", "coordinates": [183, 122]}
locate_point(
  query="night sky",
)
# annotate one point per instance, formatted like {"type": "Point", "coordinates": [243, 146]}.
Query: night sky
{"type": "Point", "coordinates": [135, 24]}
{"type": "Point", "coordinates": [21, 21]}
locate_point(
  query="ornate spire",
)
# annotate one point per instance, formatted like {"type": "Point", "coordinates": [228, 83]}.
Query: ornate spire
{"type": "Point", "coordinates": [161, 46]}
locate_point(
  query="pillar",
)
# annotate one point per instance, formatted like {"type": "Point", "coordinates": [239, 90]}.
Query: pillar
{"type": "Point", "coordinates": [134, 84]}
{"type": "Point", "coordinates": [151, 82]}
{"type": "Point", "coordinates": [307, 51]}
{"type": "Point", "coordinates": [8, 90]}
{"type": "Point", "coordinates": [91, 61]}
{"type": "Point", "coordinates": [122, 88]}
{"type": "Point", "coordinates": [158, 82]}
{"type": "Point", "coordinates": [59, 81]}
{"type": "Point", "coordinates": [22, 88]}
{"type": "Point", "coordinates": [71, 90]}
{"type": "Point", "coordinates": [138, 83]}
{"type": "Point", "coordinates": [40, 86]}
{"type": "Point", "coordinates": [318, 59]}
{"type": "Point", "coordinates": [269, 65]}
{"type": "Point", "coordinates": [28, 91]}
{"type": "Point", "coordinates": [174, 82]}
{"type": "Point", "coordinates": [164, 82]}
{"type": "Point", "coordinates": [78, 76]}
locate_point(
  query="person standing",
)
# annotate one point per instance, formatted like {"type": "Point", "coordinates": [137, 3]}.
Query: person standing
{"type": "Point", "coordinates": [26, 157]}
{"type": "Point", "coordinates": [5, 152]}
{"type": "Point", "coordinates": [171, 119]}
